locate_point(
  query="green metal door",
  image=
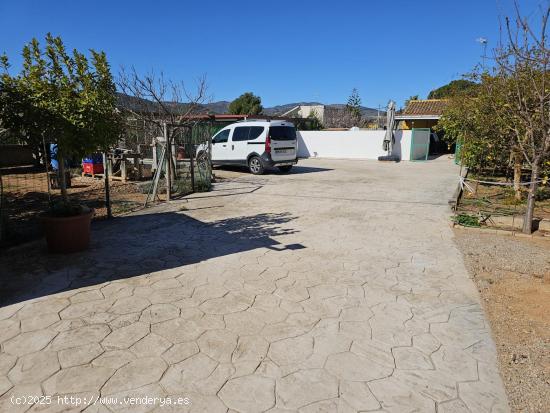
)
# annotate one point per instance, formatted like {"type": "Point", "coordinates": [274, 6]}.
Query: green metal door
{"type": "Point", "coordinates": [458, 152]}
{"type": "Point", "coordinates": [420, 144]}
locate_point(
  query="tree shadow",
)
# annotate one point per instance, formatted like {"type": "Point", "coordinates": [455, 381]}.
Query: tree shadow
{"type": "Point", "coordinates": [136, 245]}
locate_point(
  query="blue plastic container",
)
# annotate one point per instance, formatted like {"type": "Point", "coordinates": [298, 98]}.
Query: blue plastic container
{"type": "Point", "coordinates": [95, 159]}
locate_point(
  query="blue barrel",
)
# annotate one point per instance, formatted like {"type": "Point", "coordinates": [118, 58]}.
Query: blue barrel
{"type": "Point", "coordinates": [53, 156]}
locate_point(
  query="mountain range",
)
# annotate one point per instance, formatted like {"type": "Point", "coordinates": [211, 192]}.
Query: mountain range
{"type": "Point", "coordinates": [222, 106]}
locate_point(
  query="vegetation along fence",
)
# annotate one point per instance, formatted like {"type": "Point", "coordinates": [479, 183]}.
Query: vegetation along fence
{"type": "Point", "coordinates": [131, 176]}
{"type": "Point", "coordinates": [494, 195]}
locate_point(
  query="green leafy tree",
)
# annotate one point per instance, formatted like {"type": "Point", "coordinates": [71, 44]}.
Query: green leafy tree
{"type": "Point", "coordinates": [354, 104]}
{"type": "Point", "coordinates": [456, 87]}
{"type": "Point", "coordinates": [314, 122]}
{"type": "Point", "coordinates": [64, 98]}
{"type": "Point", "coordinates": [246, 104]}
{"type": "Point", "coordinates": [485, 142]}
{"type": "Point", "coordinates": [509, 120]}
{"type": "Point", "coordinates": [522, 75]}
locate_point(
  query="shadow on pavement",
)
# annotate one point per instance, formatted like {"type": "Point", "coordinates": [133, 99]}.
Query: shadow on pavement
{"type": "Point", "coordinates": [136, 245]}
{"type": "Point", "coordinates": [296, 169]}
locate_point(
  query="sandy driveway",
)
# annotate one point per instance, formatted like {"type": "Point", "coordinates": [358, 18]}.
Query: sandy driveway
{"type": "Point", "coordinates": [334, 288]}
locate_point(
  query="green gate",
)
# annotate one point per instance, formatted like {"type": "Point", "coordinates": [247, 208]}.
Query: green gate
{"type": "Point", "coordinates": [420, 144]}
{"type": "Point", "coordinates": [458, 152]}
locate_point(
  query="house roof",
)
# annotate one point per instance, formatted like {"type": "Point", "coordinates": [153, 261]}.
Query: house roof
{"type": "Point", "coordinates": [423, 109]}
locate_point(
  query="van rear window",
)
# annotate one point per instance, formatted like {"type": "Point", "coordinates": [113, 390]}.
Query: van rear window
{"type": "Point", "coordinates": [282, 133]}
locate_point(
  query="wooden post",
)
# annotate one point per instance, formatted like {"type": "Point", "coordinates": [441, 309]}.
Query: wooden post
{"type": "Point", "coordinates": [62, 177]}
{"type": "Point", "coordinates": [123, 168]}
{"type": "Point", "coordinates": [169, 162]}
{"type": "Point", "coordinates": [155, 156]}
{"type": "Point", "coordinates": [192, 163]}
{"type": "Point", "coordinates": [2, 222]}
{"type": "Point", "coordinates": [107, 187]}
{"type": "Point", "coordinates": [209, 166]}
{"type": "Point", "coordinates": [137, 167]}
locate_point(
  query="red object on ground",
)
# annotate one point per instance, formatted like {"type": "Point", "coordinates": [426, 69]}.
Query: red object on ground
{"type": "Point", "coordinates": [92, 168]}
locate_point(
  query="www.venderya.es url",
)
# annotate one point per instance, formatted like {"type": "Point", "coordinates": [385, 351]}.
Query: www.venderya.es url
{"type": "Point", "coordinates": [76, 401]}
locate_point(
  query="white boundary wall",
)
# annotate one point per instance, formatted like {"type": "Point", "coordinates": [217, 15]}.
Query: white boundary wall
{"type": "Point", "coordinates": [362, 144]}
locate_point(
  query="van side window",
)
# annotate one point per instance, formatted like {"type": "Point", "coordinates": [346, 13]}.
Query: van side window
{"type": "Point", "coordinates": [241, 133]}
{"type": "Point", "coordinates": [221, 137]}
{"type": "Point", "coordinates": [255, 131]}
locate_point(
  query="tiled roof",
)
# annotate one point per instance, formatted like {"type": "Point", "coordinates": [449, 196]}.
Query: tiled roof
{"type": "Point", "coordinates": [429, 107]}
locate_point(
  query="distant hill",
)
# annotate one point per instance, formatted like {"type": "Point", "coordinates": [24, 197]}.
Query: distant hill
{"type": "Point", "coordinates": [218, 107]}
{"type": "Point", "coordinates": [365, 112]}
{"type": "Point", "coordinates": [280, 109]}
{"type": "Point", "coordinates": [138, 104]}
{"type": "Point", "coordinates": [222, 106]}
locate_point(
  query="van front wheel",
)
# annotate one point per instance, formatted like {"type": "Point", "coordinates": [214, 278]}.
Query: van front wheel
{"type": "Point", "coordinates": [255, 165]}
{"type": "Point", "coordinates": [285, 168]}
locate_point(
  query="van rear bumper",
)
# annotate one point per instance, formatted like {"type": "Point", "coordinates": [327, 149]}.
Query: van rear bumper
{"type": "Point", "coordinates": [269, 162]}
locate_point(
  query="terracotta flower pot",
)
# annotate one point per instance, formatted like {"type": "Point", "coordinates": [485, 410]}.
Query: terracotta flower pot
{"type": "Point", "coordinates": [67, 234]}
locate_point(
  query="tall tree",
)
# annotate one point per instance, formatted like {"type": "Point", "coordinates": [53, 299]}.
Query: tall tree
{"type": "Point", "coordinates": [162, 105]}
{"type": "Point", "coordinates": [354, 104]}
{"type": "Point", "coordinates": [62, 98]}
{"type": "Point", "coordinates": [522, 72]}
{"type": "Point", "coordinates": [484, 138]}
{"type": "Point", "coordinates": [511, 111]}
{"type": "Point", "coordinates": [246, 104]}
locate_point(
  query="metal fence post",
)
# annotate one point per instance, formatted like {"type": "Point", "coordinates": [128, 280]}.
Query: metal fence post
{"type": "Point", "coordinates": [192, 163]}
{"type": "Point", "coordinates": [209, 158]}
{"type": "Point", "coordinates": [169, 160]}
{"type": "Point", "coordinates": [2, 217]}
{"type": "Point", "coordinates": [107, 187]}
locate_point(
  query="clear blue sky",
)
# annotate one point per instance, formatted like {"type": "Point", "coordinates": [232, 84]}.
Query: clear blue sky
{"type": "Point", "coordinates": [284, 51]}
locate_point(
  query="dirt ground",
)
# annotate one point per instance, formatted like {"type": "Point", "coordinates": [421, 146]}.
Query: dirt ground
{"type": "Point", "coordinates": [513, 278]}
{"type": "Point", "coordinates": [25, 192]}
{"type": "Point", "coordinates": [498, 200]}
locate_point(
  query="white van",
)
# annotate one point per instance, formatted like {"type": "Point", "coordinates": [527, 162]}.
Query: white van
{"type": "Point", "coordinates": [258, 144]}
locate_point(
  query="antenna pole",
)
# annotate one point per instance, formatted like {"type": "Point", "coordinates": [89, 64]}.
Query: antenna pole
{"type": "Point", "coordinates": [483, 42]}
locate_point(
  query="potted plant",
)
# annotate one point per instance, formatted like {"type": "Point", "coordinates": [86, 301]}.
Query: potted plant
{"type": "Point", "coordinates": [66, 100]}
{"type": "Point", "coordinates": [67, 227]}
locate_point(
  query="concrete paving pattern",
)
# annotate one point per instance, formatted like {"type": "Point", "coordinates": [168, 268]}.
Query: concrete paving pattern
{"type": "Point", "coordinates": [335, 288]}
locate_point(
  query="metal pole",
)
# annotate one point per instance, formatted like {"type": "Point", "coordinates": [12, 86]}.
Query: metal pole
{"type": "Point", "coordinates": [192, 163]}
{"type": "Point", "coordinates": [107, 187]}
{"type": "Point", "coordinates": [46, 163]}
{"type": "Point", "coordinates": [209, 158]}
{"type": "Point", "coordinates": [169, 162]}
{"type": "Point", "coordinates": [2, 222]}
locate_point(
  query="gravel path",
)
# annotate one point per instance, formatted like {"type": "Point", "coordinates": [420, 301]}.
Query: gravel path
{"type": "Point", "coordinates": [513, 278]}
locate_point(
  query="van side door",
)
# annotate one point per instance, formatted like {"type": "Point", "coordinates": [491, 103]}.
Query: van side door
{"type": "Point", "coordinates": [220, 146]}
{"type": "Point", "coordinates": [238, 146]}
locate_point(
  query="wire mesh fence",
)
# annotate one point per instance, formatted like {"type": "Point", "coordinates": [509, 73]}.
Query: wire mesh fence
{"type": "Point", "coordinates": [192, 165]}
{"type": "Point", "coordinates": [23, 195]}
{"type": "Point", "coordinates": [490, 198]}
{"type": "Point", "coordinates": [127, 178]}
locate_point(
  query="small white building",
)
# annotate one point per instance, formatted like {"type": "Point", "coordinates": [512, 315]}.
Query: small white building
{"type": "Point", "coordinates": [304, 111]}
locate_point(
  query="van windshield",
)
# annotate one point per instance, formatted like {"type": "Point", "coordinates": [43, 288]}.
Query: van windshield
{"type": "Point", "coordinates": [282, 133]}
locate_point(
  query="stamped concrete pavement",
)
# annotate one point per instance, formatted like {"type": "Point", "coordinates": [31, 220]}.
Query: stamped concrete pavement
{"type": "Point", "coordinates": [334, 288]}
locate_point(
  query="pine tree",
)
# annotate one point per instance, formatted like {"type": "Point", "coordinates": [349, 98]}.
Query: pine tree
{"type": "Point", "coordinates": [354, 104]}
